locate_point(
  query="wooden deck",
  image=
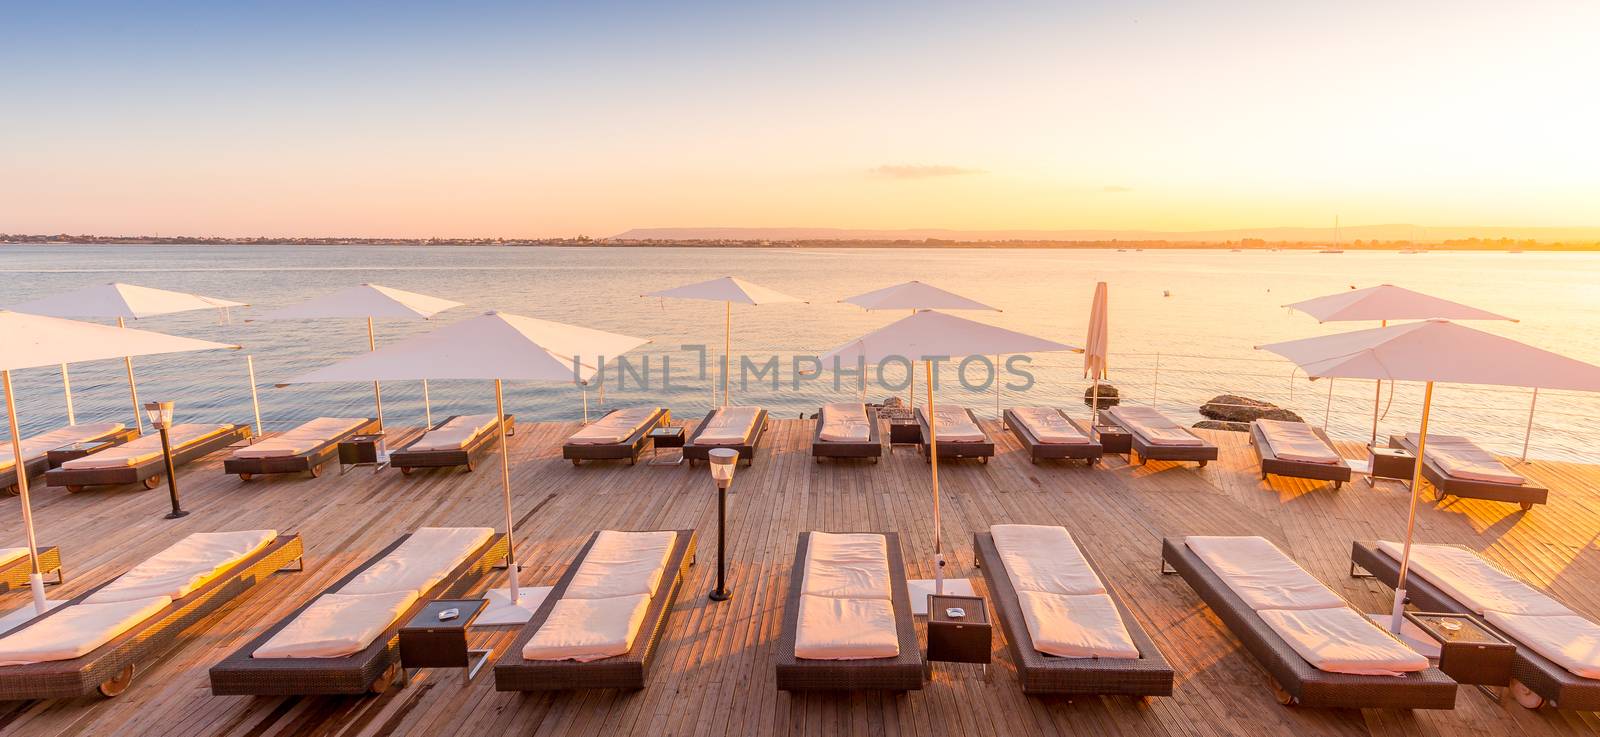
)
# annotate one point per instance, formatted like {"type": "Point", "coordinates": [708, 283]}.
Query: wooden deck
{"type": "Point", "coordinates": [715, 672]}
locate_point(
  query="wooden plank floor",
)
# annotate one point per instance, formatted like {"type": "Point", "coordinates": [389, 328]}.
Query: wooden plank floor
{"type": "Point", "coordinates": [715, 671]}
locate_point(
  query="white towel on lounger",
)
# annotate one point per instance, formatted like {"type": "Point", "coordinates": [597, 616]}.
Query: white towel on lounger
{"type": "Point", "coordinates": [1261, 574]}
{"type": "Point", "coordinates": [588, 629]}
{"type": "Point", "coordinates": [336, 625]}
{"type": "Point", "coordinates": [185, 565]}
{"type": "Point", "coordinates": [1340, 640]}
{"type": "Point", "coordinates": [76, 630]}
{"type": "Point", "coordinates": [1154, 427]}
{"type": "Point", "coordinates": [830, 628]}
{"type": "Point", "coordinates": [844, 422]}
{"type": "Point", "coordinates": [1296, 441]}
{"type": "Point", "coordinates": [1049, 426]}
{"type": "Point", "coordinates": [1076, 625]}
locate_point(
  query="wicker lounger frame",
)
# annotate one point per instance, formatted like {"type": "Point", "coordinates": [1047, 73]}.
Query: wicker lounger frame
{"type": "Point", "coordinates": [626, 450]}
{"type": "Point", "coordinates": [694, 450]}
{"type": "Point", "coordinates": [408, 460]}
{"type": "Point", "coordinates": [900, 673]}
{"type": "Point", "coordinates": [1555, 684]}
{"type": "Point", "coordinates": [871, 448]}
{"type": "Point", "coordinates": [109, 668]}
{"type": "Point", "coordinates": [14, 575]}
{"type": "Point", "coordinates": [1526, 495]}
{"type": "Point", "coordinates": [982, 450]}
{"type": "Point", "coordinates": [310, 461]}
{"type": "Point", "coordinates": [1148, 451]}
{"type": "Point", "coordinates": [512, 672]}
{"type": "Point", "coordinates": [1038, 450]}
{"type": "Point", "coordinates": [1338, 473]}
{"type": "Point", "coordinates": [1149, 675]}
{"type": "Point", "coordinates": [368, 671]}
{"type": "Point", "coordinates": [1299, 682]}
{"type": "Point", "coordinates": [39, 464]}
{"type": "Point", "coordinates": [148, 472]}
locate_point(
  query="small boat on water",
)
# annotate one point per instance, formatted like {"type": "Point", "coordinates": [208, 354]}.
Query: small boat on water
{"type": "Point", "coordinates": [1331, 250]}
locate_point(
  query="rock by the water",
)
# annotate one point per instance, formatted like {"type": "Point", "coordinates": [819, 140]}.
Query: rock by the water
{"type": "Point", "coordinates": [1109, 396]}
{"type": "Point", "coordinates": [1222, 425]}
{"type": "Point", "coordinates": [1234, 408]}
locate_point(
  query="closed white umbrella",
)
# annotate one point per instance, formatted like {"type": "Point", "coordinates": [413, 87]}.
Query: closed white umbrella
{"type": "Point", "coordinates": [1096, 346]}
{"type": "Point", "coordinates": [730, 291]}
{"type": "Point", "coordinates": [496, 347]}
{"type": "Point", "coordinates": [369, 301]}
{"type": "Point", "coordinates": [122, 302]}
{"type": "Point", "coordinates": [35, 340]}
{"type": "Point", "coordinates": [913, 296]}
{"type": "Point", "coordinates": [1433, 351]}
{"type": "Point", "coordinates": [927, 336]}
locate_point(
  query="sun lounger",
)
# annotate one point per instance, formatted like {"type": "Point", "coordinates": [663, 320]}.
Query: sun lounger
{"type": "Point", "coordinates": [36, 450]}
{"type": "Point", "coordinates": [960, 435]}
{"type": "Point", "coordinates": [324, 654]}
{"type": "Point", "coordinates": [1157, 438]}
{"type": "Point", "coordinates": [15, 568]}
{"type": "Point", "coordinates": [739, 428]}
{"type": "Point", "coordinates": [1145, 674]}
{"type": "Point", "coordinates": [600, 626]}
{"type": "Point", "coordinates": [848, 430]}
{"type": "Point", "coordinates": [141, 460]}
{"type": "Point", "coordinates": [87, 654]}
{"type": "Point", "coordinates": [1297, 449]}
{"type": "Point", "coordinates": [1449, 578]}
{"type": "Point", "coordinates": [304, 448]}
{"type": "Point", "coordinates": [1265, 598]}
{"type": "Point", "coordinates": [621, 435]}
{"type": "Point", "coordinates": [850, 619]}
{"type": "Point", "coordinates": [1049, 434]}
{"type": "Point", "coordinates": [451, 442]}
{"type": "Point", "coordinates": [1451, 464]}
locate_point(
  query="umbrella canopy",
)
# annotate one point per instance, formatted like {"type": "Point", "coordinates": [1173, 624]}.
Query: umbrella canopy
{"type": "Point", "coordinates": [914, 295]}
{"type": "Point", "coordinates": [366, 301]}
{"type": "Point", "coordinates": [730, 291]}
{"type": "Point", "coordinates": [1095, 349]}
{"type": "Point", "coordinates": [1388, 302]}
{"type": "Point", "coordinates": [36, 340]}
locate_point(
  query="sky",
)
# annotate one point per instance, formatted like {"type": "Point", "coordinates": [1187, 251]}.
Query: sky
{"type": "Point", "coordinates": [538, 120]}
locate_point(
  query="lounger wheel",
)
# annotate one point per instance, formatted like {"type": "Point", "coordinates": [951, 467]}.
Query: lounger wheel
{"type": "Point", "coordinates": [470, 465]}
{"type": "Point", "coordinates": [246, 476]}
{"type": "Point", "coordinates": [1203, 463]}
{"type": "Point", "coordinates": [152, 482]}
{"type": "Point", "coordinates": [576, 462]}
{"type": "Point", "coordinates": [386, 678]}
{"type": "Point", "coordinates": [1525, 696]}
{"type": "Point", "coordinates": [1283, 697]}
{"type": "Point", "coordinates": [1526, 506]}
{"type": "Point", "coordinates": [406, 470]}
{"type": "Point", "coordinates": [12, 490]}
{"type": "Point", "coordinates": [315, 470]}
{"type": "Point", "coordinates": [118, 683]}
{"type": "Point", "coordinates": [74, 488]}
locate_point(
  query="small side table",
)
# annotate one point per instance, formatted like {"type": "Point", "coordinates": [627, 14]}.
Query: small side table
{"type": "Point", "coordinates": [666, 436]}
{"type": "Point", "coordinates": [73, 451]}
{"type": "Point", "coordinates": [958, 639]}
{"type": "Point", "coordinates": [1469, 651]}
{"type": "Point", "coordinates": [1113, 439]}
{"type": "Point", "coordinates": [362, 450]}
{"type": "Point", "coordinates": [1392, 464]}
{"type": "Point", "coordinates": [426, 642]}
{"type": "Point", "coordinates": [904, 432]}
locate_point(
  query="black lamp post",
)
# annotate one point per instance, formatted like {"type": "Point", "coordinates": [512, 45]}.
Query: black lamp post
{"type": "Point", "coordinates": [724, 461]}
{"type": "Point", "coordinates": [160, 414]}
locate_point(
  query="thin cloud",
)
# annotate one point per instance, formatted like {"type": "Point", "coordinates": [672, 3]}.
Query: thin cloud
{"type": "Point", "coordinates": [920, 171]}
{"type": "Point", "coordinates": [1116, 189]}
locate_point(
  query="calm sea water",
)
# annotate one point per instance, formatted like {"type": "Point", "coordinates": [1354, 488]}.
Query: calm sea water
{"type": "Point", "coordinates": [1183, 326]}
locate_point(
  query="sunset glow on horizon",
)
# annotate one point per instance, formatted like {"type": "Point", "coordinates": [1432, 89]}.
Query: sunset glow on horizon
{"type": "Point", "coordinates": [529, 121]}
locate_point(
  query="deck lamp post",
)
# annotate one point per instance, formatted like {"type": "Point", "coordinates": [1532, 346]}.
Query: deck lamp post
{"type": "Point", "coordinates": [724, 461]}
{"type": "Point", "coordinates": [160, 415]}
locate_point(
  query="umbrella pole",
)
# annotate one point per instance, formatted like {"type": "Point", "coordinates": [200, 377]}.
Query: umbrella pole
{"type": "Point", "coordinates": [911, 382]}
{"type": "Point", "coordinates": [1527, 435]}
{"type": "Point", "coordinates": [1377, 401]}
{"type": "Point", "coordinates": [377, 392]}
{"type": "Point", "coordinates": [505, 488]}
{"type": "Point", "coordinates": [1396, 614]}
{"type": "Point", "coordinates": [35, 578]}
{"type": "Point", "coordinates": [255, 402]}
{"type": "Point", "coordinates": [585, 404]}
{"type": "Point", "coordinates": [727, 343]}
{"type": "Point", "coordinates": [427, 404]}
{"type": "Point", "coordinates": [1328, 410]}
{"type": "Point", "coordinates": [997, 413]}
{"type": "Point", "coordinates": [933, 462]}
{"type": "Point", "coordinates": [133, 389]}
{"type": "Point", "coordinates": [66, 386]}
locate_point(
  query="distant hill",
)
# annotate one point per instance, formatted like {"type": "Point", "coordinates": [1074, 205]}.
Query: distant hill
{"type": "Point", "coordinates": [1398, 232]}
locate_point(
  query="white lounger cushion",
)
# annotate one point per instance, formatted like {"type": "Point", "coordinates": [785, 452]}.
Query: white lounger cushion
{"type": "Point", "coordinates": [955, 425]}
{"type": "Point", "coordinates": [615, 427]}
{"type": "Point", "coordinates": [1473, 581]}
{"type": "Point", "coordinates": [622, 564]}
{"type": "Point", "coordinates": [38, 445]}
{"type": "Point", "coordinates": [729, 425]}
{"type": "Point", "coordinates": [846, 566]}
{"type": "Point", "coordinates": [1044, 558]}
{"type": "Point", "coordinates": [1568, 640]}
{"type": "Point", "coordinates": [7, 555]}
{"type": "Point", "coordinates": [422, 561]}
{"type": "Point", "coordinates": [1341, 640]}
{"type": "Point", "coordinates": [455, 434]}
{"type": "Point", "coordinates": [1049, 426]}
{"type": "Point", "coordinates": [184, 566]}
{"type": "Point", "coordinates": [337, 625]}
{"type": "Point", "coordinates": [76, 630]}
{"type": "Point", "coordinates": [1154, 427]}
{"type": "Point", "coordinates": [1296, 441]}
{"type": "Point", "coordinates": [1076, 626]}
{"type": "Point", "coordinates": [829, 628]}
{"type": "Point", "coordinates": [845, 422]}
{"type": "Point", "coordinates": [1463, 459]}
{"type": "Point", "coordinates": [1261, 574]}
{"type": "Point", "coordinates": [146, 448]}
{"type": "Point", "coordinates": [588, 629]}
{"type": "Point", "coordinates": [302, 439]}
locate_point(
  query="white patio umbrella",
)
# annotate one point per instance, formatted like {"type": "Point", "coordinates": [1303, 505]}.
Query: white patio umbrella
{"type": "Point", "coordinates": [930, 335]}
{"type": "Point", "coordinates": [913, 296]}
{"type": "Point", "coordinates": [1433, 351]}
{"type": "Point", "coordinates": [494, 347]}
{"type": "Point", "coordinates": [1096, 346]}
{"type": "Point", "coordinates": [1383, 303]}
{"type": "Point", "coordinates": [123, 302]}
{"type": "Point", "coordinates": [369, 301]}
{"type": "Point", "coordinates": [728, 290]}
{"type": "Point", "coordinates": [35, 340]}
